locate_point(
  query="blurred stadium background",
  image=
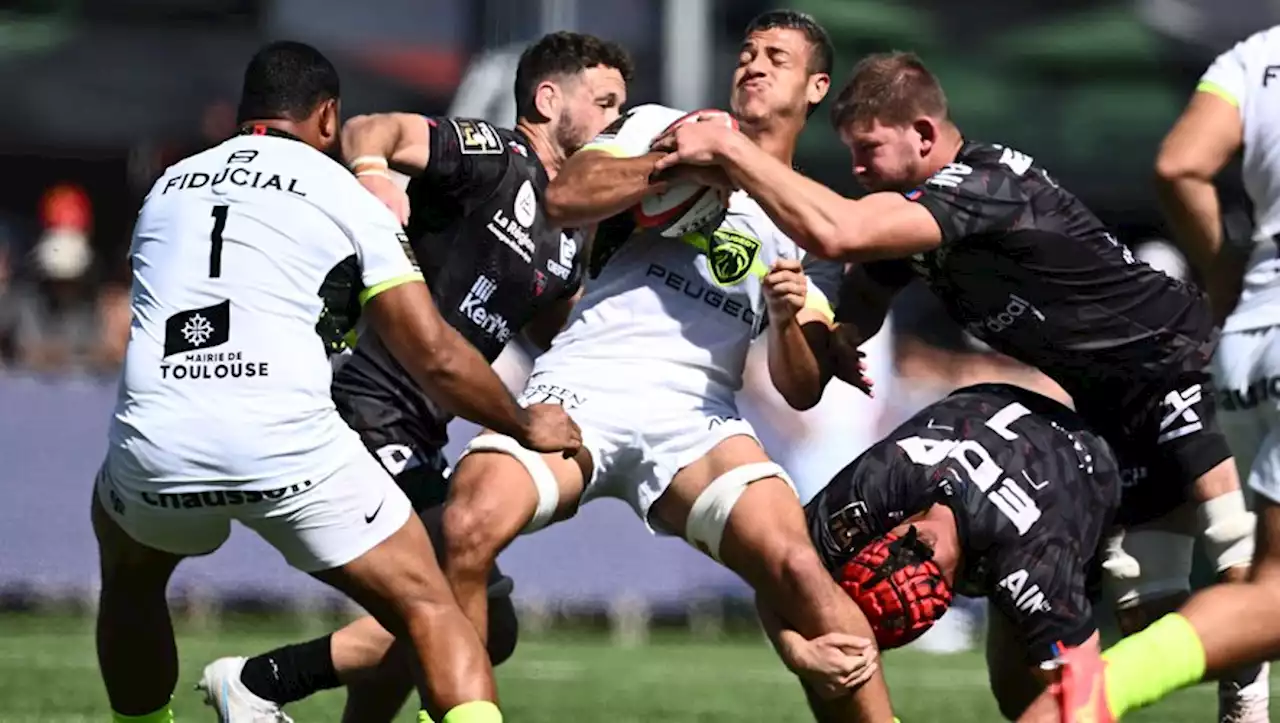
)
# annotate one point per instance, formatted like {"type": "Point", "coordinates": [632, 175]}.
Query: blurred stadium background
{"type": "Point", "coordinates": [100, 96]}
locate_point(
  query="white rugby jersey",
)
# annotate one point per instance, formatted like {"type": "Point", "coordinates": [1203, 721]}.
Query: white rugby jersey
{"type": "Point", "coordinates": [672, 316]}
{"type": "Point", "coordinates": [250, 261]}
{"type": "Point", "coordinates": [1248, 76]}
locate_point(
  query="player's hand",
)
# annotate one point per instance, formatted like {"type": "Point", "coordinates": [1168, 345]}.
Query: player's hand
{"type": "Point", "coordinates": [785, 289]}
{"type": "Point", "coordinates": [836, 663]}
{"type": "Point", "coordinates": [700, 141]}
{"type": "Point", "coordinates": [548, 428]}
{"type": "Point", "coordinates": [387, 191]}
{"type": "Point", "coordinates": [848, 361]}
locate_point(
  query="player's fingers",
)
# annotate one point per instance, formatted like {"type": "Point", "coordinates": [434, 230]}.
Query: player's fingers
{"type": "Point", "coordinates": [786, 265]}
{"type": "Point", "coordinates": [667, 161]}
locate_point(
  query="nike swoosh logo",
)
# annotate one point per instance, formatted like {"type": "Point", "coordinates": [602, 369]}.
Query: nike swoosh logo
{"type": "Point", "coordinates": [369, 518]}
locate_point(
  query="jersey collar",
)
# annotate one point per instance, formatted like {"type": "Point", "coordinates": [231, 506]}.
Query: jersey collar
{"type": "Point", "coordinates": [543, 177]}
{"type": "Point", "coordinates": [260, 129]}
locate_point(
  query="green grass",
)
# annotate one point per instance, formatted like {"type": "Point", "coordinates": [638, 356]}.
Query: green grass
{"type": "Point", "coordinates": [48, 674]}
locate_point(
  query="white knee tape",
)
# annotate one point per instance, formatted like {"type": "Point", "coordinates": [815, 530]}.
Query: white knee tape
{"type": "Point", "coordinates": [543, 478]}
{"type": "Point", "coordinates": [1227, 527]}
{"type": "Point", "coordinates": [1144, 565]}
{"type": "Point", "coordinates": [710, 512]}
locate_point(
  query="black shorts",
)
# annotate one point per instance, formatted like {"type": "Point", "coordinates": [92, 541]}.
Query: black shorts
{"type": "Point", "coordinates": [423, 475]}
{"type": "Point", "coordinates": [1167, 438]}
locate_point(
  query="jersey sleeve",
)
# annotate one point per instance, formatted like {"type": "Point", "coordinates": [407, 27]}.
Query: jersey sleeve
{"type": "Point", "coordinates": [1227, 77]}
{"type": "Point", "coordinates": [381, 246]}
{"type": "Point", "coordinates": [632, 133]}
{"type": "Point", "coordinates": [1042, 589]}
{"type": "Point", "coordinates": [971, 201]}
{"type": "Point", "coordinates": [468, 157]}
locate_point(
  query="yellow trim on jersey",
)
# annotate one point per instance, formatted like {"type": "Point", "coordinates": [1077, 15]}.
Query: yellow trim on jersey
{"type": "Point", "coordinates": [376, 289]}
{"type": "Point", "coordinates": [613, 149]}
{"type": "Point", "coordinates": [816, 300]}
{"type": "Point", "coordinates": [1208, 86]}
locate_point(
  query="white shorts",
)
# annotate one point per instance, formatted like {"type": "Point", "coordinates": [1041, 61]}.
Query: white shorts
{"type": "Point", "coordinates": [1246, 371]}
{"type": "Point", "coordinates": [637, 442]}
{"type": "Point", "coordinates": [316, 524]}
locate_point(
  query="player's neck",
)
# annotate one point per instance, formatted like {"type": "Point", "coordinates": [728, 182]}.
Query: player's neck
{"type": "Point", "coordinates": [777, 137]}
{"type": "Point", "coordinates": [550, 154]}
{"type": "Point", "coordinates": [278, 124]}
{"type": "Point", "coordinates": [950, 141]}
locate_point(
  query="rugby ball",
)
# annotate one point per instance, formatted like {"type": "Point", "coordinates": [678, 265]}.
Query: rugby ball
{"type": "Point", "coordinates": [684, 207]}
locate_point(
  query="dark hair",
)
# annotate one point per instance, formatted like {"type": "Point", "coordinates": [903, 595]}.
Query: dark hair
{"type": "Point", "coordinates": [286, 80]}
{"type": "Point", "coordinates": [563, 54]}
{"type": "Point", "coordinates": [821, 52]}
{"type": "Point", "coordinates": [893, 88]}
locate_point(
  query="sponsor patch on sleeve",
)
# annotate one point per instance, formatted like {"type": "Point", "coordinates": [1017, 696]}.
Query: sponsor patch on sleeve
{"type": "Point", "coordinates": [477, 137]}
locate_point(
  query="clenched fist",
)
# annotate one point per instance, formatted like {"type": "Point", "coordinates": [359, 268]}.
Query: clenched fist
{"type": "Point", "coordinates": [548, 428]}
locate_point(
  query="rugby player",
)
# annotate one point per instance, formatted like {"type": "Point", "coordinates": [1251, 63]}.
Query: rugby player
{"type": "Point", "coordinates": [495, 267]}
{"type": "Point", "coordinates": [248, 260]}
{"type": "Point", "coordinates": [1233, 109]}
{"type": "Point", "coordinates": [1026, 267]}
{"type": "Point", "coordinates": [651, 358]}
{"type": "Point", "coordinates": [994, 491]}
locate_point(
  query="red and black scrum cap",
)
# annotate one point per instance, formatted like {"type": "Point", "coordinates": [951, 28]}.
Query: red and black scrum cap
{"type": "Point", "coordinates": [899, 587]}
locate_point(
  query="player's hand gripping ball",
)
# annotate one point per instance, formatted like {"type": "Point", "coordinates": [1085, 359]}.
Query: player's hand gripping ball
{"type": "Point", "coordinates": [688, 204]}
{"type": "Point", "coordinates": [898, 586]}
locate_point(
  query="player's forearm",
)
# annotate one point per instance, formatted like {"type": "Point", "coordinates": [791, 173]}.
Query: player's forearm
{"type": "Point", "coordinates": [783, 639]}
{"type": "Point", "coordinates": [1194, 213]}
{"type": "Point", "coordinates": [804, 209]}
{"type": "Point", "coordinates": [456, 376]}
{"type": "Point", "coordinates": [794, 362]}
{"type": "Point", "coordinates": [595, 186]}
{"type": "Point", "coordinates": [398, 138]}
{"type": "Point", "coordinates": [1191, 206]}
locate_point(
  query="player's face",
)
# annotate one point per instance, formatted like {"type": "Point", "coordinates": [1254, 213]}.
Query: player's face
{"type": "Point", "coordinates": [773, 76]}
{"type": "Point", "coordinates": [592, 100]}
{"type": "Point", "coordinates": [885, 157]}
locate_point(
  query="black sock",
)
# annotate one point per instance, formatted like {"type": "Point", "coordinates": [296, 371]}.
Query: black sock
{"type": "Point", "coordinates": [292, 672]}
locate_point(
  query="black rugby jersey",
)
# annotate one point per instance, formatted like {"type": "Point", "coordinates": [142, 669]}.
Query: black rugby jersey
{"type": "Point", "coordinates": [489, 256]}
{"type": "Point", "coordinates": [1027, 268]}
{"type": "Point", "coordinates": [1032, 491]}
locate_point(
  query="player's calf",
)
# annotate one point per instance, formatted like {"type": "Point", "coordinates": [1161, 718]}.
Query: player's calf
{"type": "Point", "coordinates": [499, 490]}
{"type": "Point", "coordinates": [137, 654]}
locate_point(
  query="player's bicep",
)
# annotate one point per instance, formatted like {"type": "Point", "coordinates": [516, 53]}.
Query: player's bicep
{"type": "Point", "coordinates": [888, 226]}
{"type": "Point", "coordinates": [1203, 140]}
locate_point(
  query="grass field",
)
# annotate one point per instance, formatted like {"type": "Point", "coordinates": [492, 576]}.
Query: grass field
{"type": "Point", "coordinates": [48, 674]}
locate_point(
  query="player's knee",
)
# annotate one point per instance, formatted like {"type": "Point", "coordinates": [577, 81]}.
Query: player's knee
{"type": "Point", "coordinates": [471, 542]}
{"type": "Point", "coordinates": [504, 630]}
{"type": "Point", "coordinates": [800, 571]}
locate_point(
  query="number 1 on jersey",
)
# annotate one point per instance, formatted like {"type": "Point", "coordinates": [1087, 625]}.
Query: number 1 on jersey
{"type": "Point", "coordinates": [215, 254]}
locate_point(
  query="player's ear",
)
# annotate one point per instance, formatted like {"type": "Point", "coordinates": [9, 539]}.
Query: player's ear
{"type": "Point", "coordinates": [330, 119]}
{"type": "Point", "coordinates": [927, 129]}
{"type": "Point", "coordinates": [547, 99]}
{"type": "Point", "coordinates": [819, 84]}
